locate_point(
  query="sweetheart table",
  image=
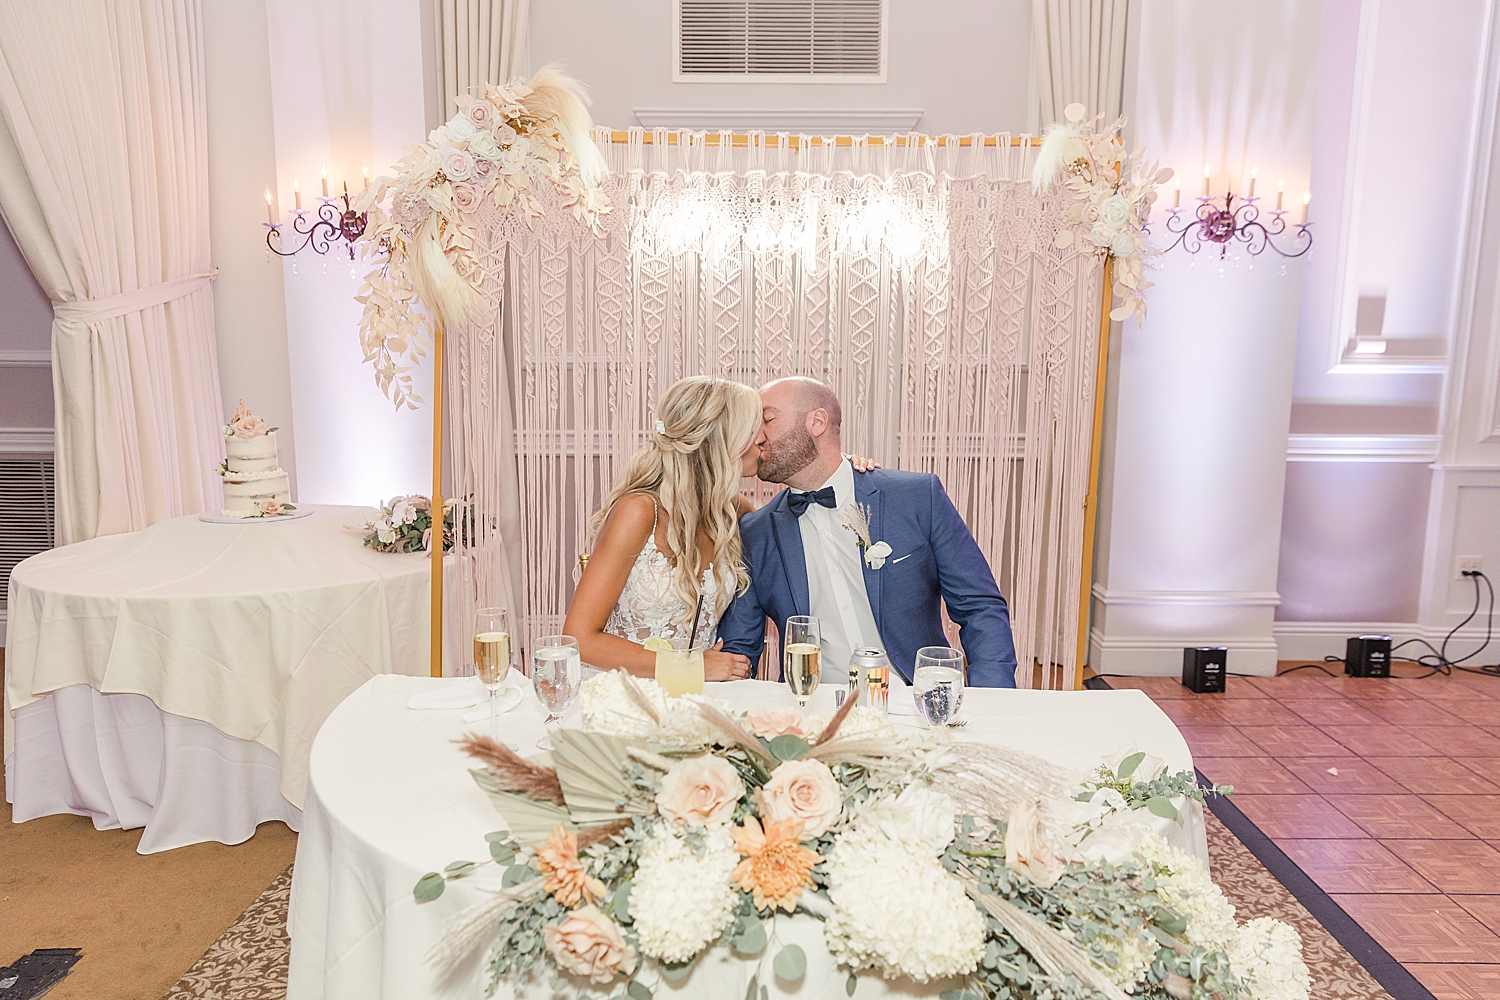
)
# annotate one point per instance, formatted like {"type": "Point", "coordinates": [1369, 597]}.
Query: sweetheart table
{"type": "Point", "coordinates": [389, 797]}
{"type": "Point", "coordinates": [175, 677]}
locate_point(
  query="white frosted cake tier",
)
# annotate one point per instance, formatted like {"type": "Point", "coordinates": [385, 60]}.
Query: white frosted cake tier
{"type": "Point", "coordinates": [243, 495]}
{"type": "Point", "coordinates": [257, 454]}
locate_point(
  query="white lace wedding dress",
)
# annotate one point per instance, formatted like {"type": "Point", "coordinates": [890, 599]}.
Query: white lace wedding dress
{"type": "Point", "coordinates": [649, 605]}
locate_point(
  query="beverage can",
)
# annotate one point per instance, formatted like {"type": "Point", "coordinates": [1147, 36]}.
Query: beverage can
{"type": "Point", "coordinates": [870, 678]}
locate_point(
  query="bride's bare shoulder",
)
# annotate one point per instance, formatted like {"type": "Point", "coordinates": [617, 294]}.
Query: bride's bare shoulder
{"type": "Point", "coordinates": [630, 519]}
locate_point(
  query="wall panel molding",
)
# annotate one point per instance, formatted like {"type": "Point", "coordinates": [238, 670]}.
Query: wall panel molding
{"type": "Point", "coordinates": [1225, 598]}
{"type": "Point", "coordinates": [18, 358]}
{"type": "Point", "coordinates": [1363, 447]}
{"type": "Point", "coordinates": [27, 440]}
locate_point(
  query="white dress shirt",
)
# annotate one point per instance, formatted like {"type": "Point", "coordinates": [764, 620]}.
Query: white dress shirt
{"type": "Point", "coordinates": [835, 579]}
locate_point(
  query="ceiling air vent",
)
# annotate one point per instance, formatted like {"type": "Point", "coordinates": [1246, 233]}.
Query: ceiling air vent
{"type": "Point", "coordinates": [802, 39]}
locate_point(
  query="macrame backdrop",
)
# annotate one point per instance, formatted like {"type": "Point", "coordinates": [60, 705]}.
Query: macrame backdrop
{"type": "Point", "coordinates": [922, 283]}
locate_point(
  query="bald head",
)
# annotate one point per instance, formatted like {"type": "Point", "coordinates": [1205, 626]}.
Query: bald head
{"type": "Point", "coordinates": [804, 395]}
{"type": "Point", "coordinates": [799, 436]}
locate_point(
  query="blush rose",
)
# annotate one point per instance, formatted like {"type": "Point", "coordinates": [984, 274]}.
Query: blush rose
{"type": "Point", "coordinates": [700, 791]}
{"type": "Point", "coordinates": [587, 943]}
{"type": "Point", "coordinates": [1028, 849]}
{"type": "Point", "coordinates": [771, 722]}
{"type": "Point", "coordinates": [803, 790]}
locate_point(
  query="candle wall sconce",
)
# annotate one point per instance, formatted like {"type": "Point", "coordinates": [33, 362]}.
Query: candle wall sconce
{"type": "Point", "coordinates": [327, 229]}
{"type": "Point", "coordinates": [1237, 219]}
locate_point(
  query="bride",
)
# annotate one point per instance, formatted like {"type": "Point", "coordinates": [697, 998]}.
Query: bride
{"type": "Point", "coordinates": [667, 550]}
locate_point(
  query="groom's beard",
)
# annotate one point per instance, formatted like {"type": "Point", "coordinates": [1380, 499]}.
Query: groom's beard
{"type": "Point", "coordinates": [786, 456]}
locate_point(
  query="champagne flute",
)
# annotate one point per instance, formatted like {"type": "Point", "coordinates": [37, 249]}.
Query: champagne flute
{"type": "Point", "coordinates": [492, 658]}
{"type": "Point", "coordinates": [803, 645]}
{"type": "Point", "coordinates": [556, 674]}
{"type": "Point", "coordinates": [937, 683]}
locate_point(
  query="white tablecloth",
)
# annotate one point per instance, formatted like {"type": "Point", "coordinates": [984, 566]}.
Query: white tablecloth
{"type": "Point", "coordinates": [257, 630]}
{"type": "Point", "coordinates": [389, 797]}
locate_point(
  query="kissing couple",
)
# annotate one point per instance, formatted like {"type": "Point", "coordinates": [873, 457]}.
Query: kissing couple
{"type": "Point", "coordinates": [867, 551]}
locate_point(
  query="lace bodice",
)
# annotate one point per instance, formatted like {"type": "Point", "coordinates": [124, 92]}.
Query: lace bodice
{"type": "Point", "coordinates": [648, 604]}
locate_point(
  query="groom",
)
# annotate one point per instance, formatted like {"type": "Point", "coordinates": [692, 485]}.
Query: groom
{"type": "Point", "coordinates": [802, 559]}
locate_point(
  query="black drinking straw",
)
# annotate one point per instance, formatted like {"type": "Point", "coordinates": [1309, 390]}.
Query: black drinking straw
{"type": "Point", "coordinates": [693, 636]}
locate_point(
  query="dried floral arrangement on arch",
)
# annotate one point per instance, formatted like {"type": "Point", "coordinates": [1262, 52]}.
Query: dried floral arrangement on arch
{"type": "Point", "coordinates": [500, 147]}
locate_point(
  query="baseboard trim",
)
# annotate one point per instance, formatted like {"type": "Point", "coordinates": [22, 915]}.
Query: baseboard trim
{"type": "Point", "coordinates": [1315, 640]}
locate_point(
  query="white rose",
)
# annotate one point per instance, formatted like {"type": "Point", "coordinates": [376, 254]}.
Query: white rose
{"type": "Point", "coordinates": [460, 128]}
{"type": "Point", "coordinates": [876, 554]}
{"type": "Point", "coordinates": [483, 145]}
{"type": "Point", "coordinates": [1123, 245]}
{"type": "Point", "coordinates": [918, 818]}
{"type": "Point", "coordinates": [1114, 214]}
{"type": "Point", "coordinates": [1028, 848]}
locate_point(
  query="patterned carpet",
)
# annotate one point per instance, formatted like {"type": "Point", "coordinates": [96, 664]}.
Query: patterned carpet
{"type": "Point", "coordinates": [249, 962]}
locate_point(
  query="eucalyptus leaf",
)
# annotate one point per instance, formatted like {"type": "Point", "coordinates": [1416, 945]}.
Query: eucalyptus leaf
{"type": "Point", "coordinates": [458, 869]}
{"type": "Point", "coordinates": [752, 939]}
{"type": "Point", "coordinates": [516, 874]}
{"type": "Point", "coordinates": [764, 991]}
{"type": "Point", "coordinates": [429, 887]}
{"type": "Point", "coordinates": [791, 963]}
{"type": "Point", "coordinates": [621, 907]}
{"type": "Point", "coordinates": [676, 972]}
{"type": "Point", "coordinates": [852, 984]}
{"type": "Point", "coordinates": [1129, 764]}
{"type": "Point", "coordinates": [638, 990]}
{"type": "Point", "coordinates": [751, 989]}
{"type": "Point", "coordinates": [502, 852]}
{"type": "Point", "coordinates": [1171, 921]}
{"type": "Point", "coordinates": [789, 747]}
{"type": "Point", "coordinates": [497, 836]}
{"type": "Point", "coordinates": [1163, 807]}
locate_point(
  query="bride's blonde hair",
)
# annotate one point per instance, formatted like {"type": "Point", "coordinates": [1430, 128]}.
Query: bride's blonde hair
{"type": "Point", "coordinates": [691, 466]}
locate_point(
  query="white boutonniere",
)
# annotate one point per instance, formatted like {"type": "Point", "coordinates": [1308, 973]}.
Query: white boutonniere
{"type": "Point", "coordinates": [856, 518]}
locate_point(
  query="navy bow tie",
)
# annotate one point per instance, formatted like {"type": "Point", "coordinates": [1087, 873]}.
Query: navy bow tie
{"type": "Point", "coordinates": [799, 501]}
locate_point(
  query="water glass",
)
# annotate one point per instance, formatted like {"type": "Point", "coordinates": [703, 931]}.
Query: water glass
{"type": "Point", "coordinates": [492, 658]}
{"type": "Point", "coordinates": [802, 642]}
{"type": "Point", "coordinates": [937, 683]}
{"type": "Point", "coordinates": [556, 674]}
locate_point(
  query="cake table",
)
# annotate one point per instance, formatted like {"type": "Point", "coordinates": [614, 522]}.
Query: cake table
{"type": "Point", "coordinates": [174, 678]}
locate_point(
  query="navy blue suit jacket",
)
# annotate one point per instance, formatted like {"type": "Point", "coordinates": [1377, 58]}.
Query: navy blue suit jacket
{"type": "Point", "coordinates": [932, 556]}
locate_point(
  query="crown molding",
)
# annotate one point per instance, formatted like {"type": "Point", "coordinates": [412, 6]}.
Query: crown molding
{"type": "Point", "coordinates": [27, 440]}
{"type": "Point", "coordinates": [16, 358]}
{"type": "Point", "coordinates": [1217, 598]}
{"type": "Point", "coordinates": [1363, 447]}
{"type": "Point", "coordinates": [853, 120]}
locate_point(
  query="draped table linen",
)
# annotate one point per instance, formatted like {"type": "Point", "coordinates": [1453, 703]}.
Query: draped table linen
{"type": "Point", "coordinates": [255, 631]}
{"type": "Point", "coordinates": [389, 798]}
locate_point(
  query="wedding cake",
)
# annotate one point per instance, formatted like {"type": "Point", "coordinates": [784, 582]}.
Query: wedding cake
{"type": "Point", "coordinates": [254, 483]}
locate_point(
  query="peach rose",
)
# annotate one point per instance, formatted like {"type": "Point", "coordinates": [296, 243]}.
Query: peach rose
{"type": "Point", "coordinates": [250, 426]}
{"type": "Point", "coordinates": [769, 722]}
{"type": "Point", "coordinates": [1028, 849]}
{"type": "Point", "coordinates": [465, 197]}
{"type": "Point", "coordinates": [587, 943]}
{"type": "Point", "coordinates": [269, 508]}
{"type": "Point", "coordinates": [802, 790]}
{"type": "Point", "coordinates": [700, 791]}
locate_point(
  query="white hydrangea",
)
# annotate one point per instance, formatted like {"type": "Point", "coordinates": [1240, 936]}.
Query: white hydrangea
{"type": "Point", "coordinates": [876, 884]}
{"type": "Point", "coordinates": [1183, 884]}
{"type": "Point", "coordinates": [684, 725]}
{"type": "Point", "coordinates": [606, 708]}
{"type": "Point", "coordinates": [681, 902]}
{"type": "Point", "coordinates": [1266, 955]}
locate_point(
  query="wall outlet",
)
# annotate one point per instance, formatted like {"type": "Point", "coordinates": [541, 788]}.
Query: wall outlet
{"type": "Point", "coordinates": [1467, 564]}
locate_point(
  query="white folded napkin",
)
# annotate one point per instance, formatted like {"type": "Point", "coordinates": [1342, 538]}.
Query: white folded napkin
{"type": "Point", "coordinates": [467, 693]}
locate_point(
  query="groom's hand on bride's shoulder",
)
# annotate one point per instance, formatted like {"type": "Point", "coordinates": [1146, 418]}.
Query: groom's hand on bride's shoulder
{"type": "Point", "coordinates": [721, 666]}
{"type": "Point", "coordinates": [862, 464]}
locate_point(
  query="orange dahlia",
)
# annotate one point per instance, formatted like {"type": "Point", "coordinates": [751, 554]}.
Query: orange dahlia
{"type": "Point", "coordinates": [558, 860]}
{"type": "Point", "coordinates": [776, 867]}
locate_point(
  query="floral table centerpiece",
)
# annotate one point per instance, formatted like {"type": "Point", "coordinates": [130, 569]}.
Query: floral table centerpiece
{"type": "Point", "coordinates": [405, 524]}
{"type": "Point", "coordinates": [665, 828]}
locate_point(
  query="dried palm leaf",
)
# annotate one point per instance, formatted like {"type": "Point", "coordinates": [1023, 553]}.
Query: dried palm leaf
{"type": "Point", "coordinates": [986, 780]}
{"type": "Point", "coordinates": [591, 773]}
{"type": "Point", "coordinates": [589, 836]}
{"type": "Point", "coordinates": [633, 690]}
{"type": "Point", "coordinates": [514, 773]}
{"type": "Point", "coordinates": [1052, 951]}
{"type": "Point", "coordinates": [529, 820]}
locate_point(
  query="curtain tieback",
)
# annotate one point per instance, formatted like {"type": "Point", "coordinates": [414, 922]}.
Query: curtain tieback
{"type": "Point", "coordinates": [96, 310]}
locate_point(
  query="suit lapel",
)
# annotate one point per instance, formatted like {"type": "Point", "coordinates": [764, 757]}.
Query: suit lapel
{"type": "Point", "coordinates": [789, 543]}
{"type": "Point", "coordinates": [871, 498]}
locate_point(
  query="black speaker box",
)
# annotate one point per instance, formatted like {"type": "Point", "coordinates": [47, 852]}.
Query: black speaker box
{"type": "Point", "coordinates": [1203, 668]}
{"type": "Point", "coordinates": [1368, 656]}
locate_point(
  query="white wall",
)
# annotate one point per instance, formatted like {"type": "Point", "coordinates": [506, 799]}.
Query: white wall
{"type": "Point", "coordinates": [25, 343]}
{"type": "Point", "coordinates": [966, 65]}
{"type": "Point", "coordinates": [347, 88]}
{"type": "Point", "coordinates": [249, 306]}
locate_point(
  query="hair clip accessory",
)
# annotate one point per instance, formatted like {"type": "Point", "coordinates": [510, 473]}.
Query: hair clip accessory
{"type": "Point", "coordinates": [661, 428]}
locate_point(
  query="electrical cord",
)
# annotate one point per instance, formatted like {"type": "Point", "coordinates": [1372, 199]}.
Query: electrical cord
{"type": "Point", "coordinates": [1436, 658]}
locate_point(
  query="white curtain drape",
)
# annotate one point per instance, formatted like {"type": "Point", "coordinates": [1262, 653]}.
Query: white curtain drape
{"type": "Point", "coordinates": [1079, 51]}
{"type": "Point", "coordinates": [104, 185]}
{"type": "Point", "coordinates": [923, 283]}
{"type": "Point", "coordinates": [479, 42]}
